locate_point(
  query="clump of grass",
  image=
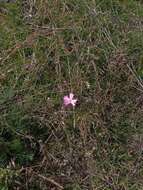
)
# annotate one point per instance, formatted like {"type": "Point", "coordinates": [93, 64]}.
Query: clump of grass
{"type": "Point", "coordinates": [49, 49]}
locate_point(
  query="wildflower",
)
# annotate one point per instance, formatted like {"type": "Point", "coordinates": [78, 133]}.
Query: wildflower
{"type": "Point", "coordinates": [69, 100]}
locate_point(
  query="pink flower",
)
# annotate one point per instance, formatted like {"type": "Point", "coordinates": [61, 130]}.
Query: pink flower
{"type": "Point", "coordinates": [69, 100]}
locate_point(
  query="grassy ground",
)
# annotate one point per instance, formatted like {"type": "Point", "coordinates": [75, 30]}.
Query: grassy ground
{"type": "Point", "coordinates": [93, 48]}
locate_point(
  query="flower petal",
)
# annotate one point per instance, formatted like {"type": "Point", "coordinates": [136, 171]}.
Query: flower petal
{"type": "Point", "coordinates": [66, 100]}
{"type": "Point", "coordinates": [71, 96]}
{"type": "Point", "coordinates": [73, 102]}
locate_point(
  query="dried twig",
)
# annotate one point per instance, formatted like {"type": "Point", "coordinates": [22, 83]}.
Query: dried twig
{"type": "Point", "coordinates": [50, 180]}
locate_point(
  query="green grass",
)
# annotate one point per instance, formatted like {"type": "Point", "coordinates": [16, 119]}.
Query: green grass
{"type": "Point", "coordinates": [93, 49]}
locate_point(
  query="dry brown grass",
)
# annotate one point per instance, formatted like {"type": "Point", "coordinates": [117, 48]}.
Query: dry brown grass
{"type": "Point", "coordinates": [50, 48]}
